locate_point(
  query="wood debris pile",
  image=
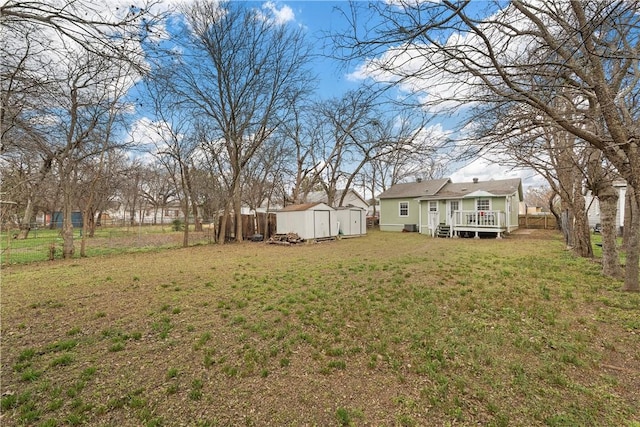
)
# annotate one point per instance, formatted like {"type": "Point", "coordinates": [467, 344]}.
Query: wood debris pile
{"type": "Point", "coordinates": [285, 239]}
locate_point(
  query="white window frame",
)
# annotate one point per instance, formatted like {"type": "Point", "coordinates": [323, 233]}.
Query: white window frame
{"type": "Point", "coordinates": [400, 209]}
{"type": "Point", "coordinates": [478, 204]}
{"type": "Point", "coordinates": [433, 206]}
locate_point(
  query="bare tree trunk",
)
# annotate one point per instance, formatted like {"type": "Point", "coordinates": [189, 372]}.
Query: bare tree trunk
{"type": "Point", "coordinates": [197, 223]}
{"type": "Point", "coordinates": [25, 224]}
{"type": "Point", "coordinates": [67, 225]}
{"type": "Point", "coordinates": [626, 226]}
{"type": "Point", "coordinates": [185, 231]}
{"type": "Point", "coordinates": [632, 270]}
{"type": "Point", "coordinates": [552, 209]}
{"type": "Point", "coordinates": [92, 222]}
{"type": "Point", "coordinates": [222, 230]}
{"type": "Point", "coordinates": [85, 226]}
{"type": "Point", "coordinates": [567, 227]}
{"type": "Point", "coordinates": [236, 197]}
{"type": "Point", "coordinates": [238, 214]}
{"type": "Point", "coordinates": [582, 234]}
{"type": "Point", "coordinates": [185, 234]}
{"type": "Point", "coordinates": [608, 203]}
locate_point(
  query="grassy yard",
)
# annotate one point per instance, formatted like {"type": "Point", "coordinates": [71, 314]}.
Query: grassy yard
{"type": "Point", "coordinates": [42, 244]}
{"type": "Point", "coordinates": [393, 329]}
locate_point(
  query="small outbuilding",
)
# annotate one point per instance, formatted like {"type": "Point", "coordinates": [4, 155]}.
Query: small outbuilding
{"type": "Point", "coordinates": [352, 221]}
{"type": "Point", "coordinates": [309, 221]}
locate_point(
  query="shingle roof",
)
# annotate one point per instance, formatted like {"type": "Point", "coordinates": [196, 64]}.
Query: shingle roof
{"type": "Point", "coordinates": [301, 207]}
{"type": "Point", "coordinates": [498, 187]}
{"type": "Point", "coordinates": [415, 189]}
{"type": "Point", "coordinates": [321, 196]}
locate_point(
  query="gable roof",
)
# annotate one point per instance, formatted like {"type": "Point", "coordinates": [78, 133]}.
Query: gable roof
{"type": "Point", "coordinates": [303, 207]}
{"type": "Point", "coordinates": [321, 196]}
{"type": "Point", "coordinates": [415, 189]}
{"type": "Point", "coordinates": [498, 187]}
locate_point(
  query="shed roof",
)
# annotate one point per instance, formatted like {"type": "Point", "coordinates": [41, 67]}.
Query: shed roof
{"type": "Point", "coordinates": [415, 189]}
{"type": "Point", "coordinates": [302, 207]}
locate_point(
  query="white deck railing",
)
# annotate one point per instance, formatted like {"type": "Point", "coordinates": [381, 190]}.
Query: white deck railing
{"type": "Point", "coordinates": [479, 219]}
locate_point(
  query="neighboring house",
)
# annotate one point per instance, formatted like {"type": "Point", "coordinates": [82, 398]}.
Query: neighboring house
{"type": "Point", "coordinates": [351, 199]}
{"type": "Point", "coordinates": [593, 206]}
{"type": "Point", "coordinates": [443, 208]}
{"type": "Point", "coordinates": [146, 214]}
{"type": "Point", "coordinates": [57, 218]}
{"type": "Point", "coordinates": [308, 220]}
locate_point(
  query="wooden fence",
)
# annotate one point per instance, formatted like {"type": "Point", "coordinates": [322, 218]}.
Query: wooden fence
{"type": "Point", "coordinates": [538, 221]}
{"type": "Point", "coordinates": [261, 223]}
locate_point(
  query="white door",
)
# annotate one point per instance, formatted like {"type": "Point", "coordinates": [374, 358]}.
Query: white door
{"type": "Point", "coordinates": [321, 224]}
{"type": "Point", "coordinates": [452, 206]}
{"type": "Point", "coordinates": [354, 223]}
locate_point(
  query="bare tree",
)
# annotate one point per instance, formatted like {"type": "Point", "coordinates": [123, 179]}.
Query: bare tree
{"type": "Point", "coordinates": [91, 103]}
{"type": "Point", "coordinates": [237, 72]}
{"type": "Point", "coordinates": [355, 135]}
{"type": "Point", "coordinates": [39, 42]}
{"type": "Point", "coordinates": [158, 190]}
{"type": "Point", "coordinates": [513, 52]}
{"type": "Point", "coordinates": [344, 141]}
{"type": "Point", "coordinates": [297, 134]}
{"type": "Point", "coordinates": [177, 143]}
{"type": "Point", "coordinates": [539, 197]}
{"type": "Point", "coordinates": [110, 32]}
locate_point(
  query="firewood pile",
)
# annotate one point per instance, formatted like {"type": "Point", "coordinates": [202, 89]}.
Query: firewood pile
{"type": "Point", "coordinates": [285, 239]}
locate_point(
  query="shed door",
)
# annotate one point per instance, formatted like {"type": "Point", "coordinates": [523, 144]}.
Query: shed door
{"type": "Point", "coordinates": [321, 225]}
{"type": "Point", "coordinates": [354, 222]}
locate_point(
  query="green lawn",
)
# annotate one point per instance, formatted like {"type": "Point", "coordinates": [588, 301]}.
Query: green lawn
{"type": "Point", "coordinates": [393, 329]}
{"type": "Point", "coordinates": [41, 244]}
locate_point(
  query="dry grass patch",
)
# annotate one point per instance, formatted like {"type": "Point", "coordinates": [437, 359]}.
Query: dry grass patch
{"type": "Point", "coordinates": [389, 329]}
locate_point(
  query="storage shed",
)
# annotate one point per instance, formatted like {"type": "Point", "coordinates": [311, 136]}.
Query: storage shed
{"type": "Point", "coordinates": [309, 221]}
{"type": "Point", "coordinates": [352, 221]}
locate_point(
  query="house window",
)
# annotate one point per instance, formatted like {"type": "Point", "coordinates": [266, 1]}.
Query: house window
{"type": "Point", "coordinates": [433, 206]}
{"type": "Point", "coordinates": [455, 205]}
{"type": "Point", "coordinates": [404, 208]}
{"type": "Point", "coordinates": [483, 205]}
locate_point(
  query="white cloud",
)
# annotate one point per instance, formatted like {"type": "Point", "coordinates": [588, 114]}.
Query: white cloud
{"type": "Point", "coordinates": [487, 170]}
{"type": "Point", "coordinates": [149, 136]}
{"type": "Point", "coordinates": [281, 15]}
{"type": "Point", "coordinates": [442, 83]}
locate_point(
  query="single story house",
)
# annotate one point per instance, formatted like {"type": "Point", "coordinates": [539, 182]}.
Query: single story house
{"type": "Point", "coordinates": [443, 208]}
{"type": "Point", "coordinates": [308, 220]}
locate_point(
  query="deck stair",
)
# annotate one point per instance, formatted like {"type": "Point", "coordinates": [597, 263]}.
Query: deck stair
{"type": "Point", "coordinates": [443, 230]}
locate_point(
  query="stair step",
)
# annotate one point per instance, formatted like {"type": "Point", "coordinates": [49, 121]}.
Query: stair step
{"type": "Point", "coordinates": [443, 230]}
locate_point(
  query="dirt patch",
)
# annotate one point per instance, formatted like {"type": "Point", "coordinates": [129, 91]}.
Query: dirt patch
{"type": "Point", "coordinates": [530, 233]}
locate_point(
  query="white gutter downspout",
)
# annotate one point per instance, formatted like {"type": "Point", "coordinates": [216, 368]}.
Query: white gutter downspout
{"type": "Point", "coordinates": [420, 216]}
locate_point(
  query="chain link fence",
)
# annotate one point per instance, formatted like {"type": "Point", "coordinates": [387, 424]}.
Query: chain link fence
{"type": "Point", "coordinates": [43, 243]}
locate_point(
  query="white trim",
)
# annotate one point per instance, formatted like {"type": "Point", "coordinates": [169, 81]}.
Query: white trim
{"type": "Point", "coordinates": [483, 198]}
{"type": "Point", "coordinates": [400, 209]}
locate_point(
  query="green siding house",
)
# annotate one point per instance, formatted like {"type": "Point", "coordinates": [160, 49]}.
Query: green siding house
{"type": "Point", "coordinates": [446, 209]}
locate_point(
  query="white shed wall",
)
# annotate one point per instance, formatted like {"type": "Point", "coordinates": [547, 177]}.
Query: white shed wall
{"type": "Point", "coordinates": [352, 222]}
{"type": "Point", "coordinates": [310, 224]}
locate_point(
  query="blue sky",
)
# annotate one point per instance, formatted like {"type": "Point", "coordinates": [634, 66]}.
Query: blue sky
{"type": "Point", "coordinates": [319, 18]}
